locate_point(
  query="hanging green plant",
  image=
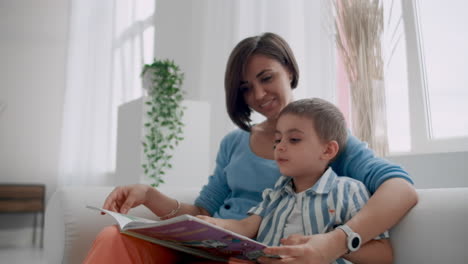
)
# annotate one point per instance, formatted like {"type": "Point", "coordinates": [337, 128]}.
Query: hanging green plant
{"type": "Point", "coordinates": [163, 81]}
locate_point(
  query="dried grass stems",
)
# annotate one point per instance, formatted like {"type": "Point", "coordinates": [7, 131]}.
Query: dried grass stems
{"type": "Point", "coordinates": [359, 29]}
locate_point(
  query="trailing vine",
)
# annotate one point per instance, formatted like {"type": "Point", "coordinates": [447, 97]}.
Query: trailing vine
{"type": "Point", "coordinates": [163, 80]}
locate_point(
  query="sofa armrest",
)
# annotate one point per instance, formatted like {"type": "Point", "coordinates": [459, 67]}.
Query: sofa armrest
{"type": "Point", "coordinates": [434, 230]}
{"type": "Point", "coordinates": [70, 228]}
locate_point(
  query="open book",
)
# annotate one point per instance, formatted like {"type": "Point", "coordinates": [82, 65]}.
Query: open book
{"type": "Point", "coordinates": [191, 235]}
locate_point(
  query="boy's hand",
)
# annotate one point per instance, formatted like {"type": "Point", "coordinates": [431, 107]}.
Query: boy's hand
{"type": "Point", "coordinates": [298, 249]}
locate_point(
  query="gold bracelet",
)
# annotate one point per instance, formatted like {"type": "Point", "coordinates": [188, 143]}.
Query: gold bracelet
{"type": "Point", "coordinates": [173, 212]}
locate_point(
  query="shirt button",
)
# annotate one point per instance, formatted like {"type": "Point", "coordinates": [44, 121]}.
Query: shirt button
{"type": "Point", "coordinates": [227, 207]}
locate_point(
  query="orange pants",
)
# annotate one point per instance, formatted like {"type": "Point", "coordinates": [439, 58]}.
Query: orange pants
{"type": "Point", "coordinates": [110, 246]}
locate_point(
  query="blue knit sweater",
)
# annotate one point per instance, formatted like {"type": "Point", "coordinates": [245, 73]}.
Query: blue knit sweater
{"type": "Point", "coordinates": [240, 176]}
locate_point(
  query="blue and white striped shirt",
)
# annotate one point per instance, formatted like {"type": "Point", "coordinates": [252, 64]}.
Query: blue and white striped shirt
{"type": "Point", "coordinates": [330, 202]}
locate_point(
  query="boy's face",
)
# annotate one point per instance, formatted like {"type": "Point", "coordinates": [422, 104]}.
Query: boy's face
{"type": "Point", "coordinates": [298, 149]}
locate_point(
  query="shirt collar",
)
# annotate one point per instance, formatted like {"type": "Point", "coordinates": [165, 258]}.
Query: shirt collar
{"type": "Point", "coordinates": [325, 182]}
{"type": "Point", "coordinates": [285, 184]}
{"type": "Point", "coordinates": [322, 186]}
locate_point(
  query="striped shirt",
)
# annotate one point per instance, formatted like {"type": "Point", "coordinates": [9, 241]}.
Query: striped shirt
{"type": "Point", "coordinates": [330, 202]}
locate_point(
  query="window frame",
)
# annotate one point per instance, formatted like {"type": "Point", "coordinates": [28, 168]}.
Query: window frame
{"type": "Point", "coordinates": [130, 84]}
{"type": "Point", "coordinates": [419, 113]}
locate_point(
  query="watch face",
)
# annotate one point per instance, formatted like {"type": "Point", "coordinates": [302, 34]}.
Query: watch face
{"type": "Point", "coordinates": [355, 242]}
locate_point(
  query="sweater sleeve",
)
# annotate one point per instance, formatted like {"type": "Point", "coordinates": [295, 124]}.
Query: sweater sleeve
{"type": "Point", "coordinates": [215, 192]}
{"type": "Point", "coordinates": [359, 197]}
{"type": "Point", "coordinates": [359, 162]}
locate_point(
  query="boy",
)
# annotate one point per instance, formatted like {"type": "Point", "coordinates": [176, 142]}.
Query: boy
{"type": "Point", "coordinates": [310, 198]}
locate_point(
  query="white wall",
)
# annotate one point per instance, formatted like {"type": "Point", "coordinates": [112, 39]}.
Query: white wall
{"type": "Point", "coordinates": [437, 170]}
{"type": "Point", "coordinates": [32, 48]}
{"type": "Point", "coordinates": [200, 42]}
{"type": "Point", "coordinates": [33, 41]}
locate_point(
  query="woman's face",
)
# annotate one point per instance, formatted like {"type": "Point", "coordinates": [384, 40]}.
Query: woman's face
{"type": "Point", "coordinates": [266, 85]}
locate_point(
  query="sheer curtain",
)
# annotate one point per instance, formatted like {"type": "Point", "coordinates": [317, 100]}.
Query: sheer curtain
{"type": "Point", "coordinates": [109, 43]}
{"type": "Point", "coordinates": [304, 24]}
{"type": "Point", "coordinates": [87, 117]}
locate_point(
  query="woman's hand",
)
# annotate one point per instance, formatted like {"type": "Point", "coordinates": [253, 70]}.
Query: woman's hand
{"type": "Point", "coordinates": [315, 249]}
{"type": "Point", "coordinates": [212, 220]}
{"type": "Point", "coordinates": [123, 198]}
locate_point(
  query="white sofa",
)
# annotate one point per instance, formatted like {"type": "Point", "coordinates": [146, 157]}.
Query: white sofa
{"type": "Point", "coordinates": [435, 231]}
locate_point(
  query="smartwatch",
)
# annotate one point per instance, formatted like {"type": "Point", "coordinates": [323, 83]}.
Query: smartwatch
{"type": "Point", "coordinates": [353, 239]}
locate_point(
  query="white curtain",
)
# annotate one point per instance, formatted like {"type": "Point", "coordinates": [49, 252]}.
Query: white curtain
{"type": "Point", "coordinates": [216, 26]}
{"type": "Point", "coordinates": [198, 35]}
{"type": "Point", "coordinates": [88, 129]}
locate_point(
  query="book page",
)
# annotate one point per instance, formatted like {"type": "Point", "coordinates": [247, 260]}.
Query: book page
{"type": "Point", "coordinates": [125, 221]}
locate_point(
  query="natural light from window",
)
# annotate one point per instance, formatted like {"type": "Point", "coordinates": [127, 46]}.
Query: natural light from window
{"type": "Point", "coordinates": [425, 79]}
{"type": "Point", "coordinates": [396, 79]}
{"type": "Point", "coordinates": [133, 45]}
{"type": "Point", "coordinates": [445, 42]}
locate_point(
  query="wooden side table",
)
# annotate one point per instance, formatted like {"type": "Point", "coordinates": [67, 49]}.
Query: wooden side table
{"type": "Point", "coordinates": [24, 198]}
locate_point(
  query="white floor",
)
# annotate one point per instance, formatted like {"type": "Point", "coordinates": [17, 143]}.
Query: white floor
{"type": "Point", "coordinates": [21, 255]}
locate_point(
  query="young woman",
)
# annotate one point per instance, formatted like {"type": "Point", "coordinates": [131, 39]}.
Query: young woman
{"type": "Point", "coordinates": [260, 75]}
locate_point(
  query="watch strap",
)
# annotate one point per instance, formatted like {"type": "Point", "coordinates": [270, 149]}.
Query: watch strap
{"type": "Point", "coordinates": [353, 240]}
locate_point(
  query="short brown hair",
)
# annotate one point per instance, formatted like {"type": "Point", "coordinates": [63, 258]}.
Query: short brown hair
{"type": "Point", "coordinates": [268, 44]}
{"type": "Point", "coordinates": [329, 123]}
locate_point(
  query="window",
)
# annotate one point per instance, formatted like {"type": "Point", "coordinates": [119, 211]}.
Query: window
{"type": "Point", "coordinates": [133, 45]}
{"type": "Point", "coordinates": [426, 79]}
{"type": "Point", "coordinates": [445, 59]}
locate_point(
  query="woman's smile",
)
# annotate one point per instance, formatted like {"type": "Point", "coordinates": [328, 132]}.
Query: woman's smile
{"type": "Point", "coordinates": [267, 103]}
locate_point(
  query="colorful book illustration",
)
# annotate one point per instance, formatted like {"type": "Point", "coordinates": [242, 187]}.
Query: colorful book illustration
{"type": "Point", "coordinates": [191, 235]}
